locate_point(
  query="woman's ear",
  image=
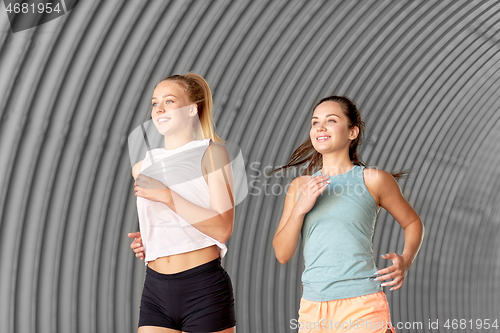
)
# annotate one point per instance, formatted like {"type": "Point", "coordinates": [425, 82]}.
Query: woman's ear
{"type": "Point", "coordinates": [194, 110]}
{"type": "Point", "coordinates": [354, 133]}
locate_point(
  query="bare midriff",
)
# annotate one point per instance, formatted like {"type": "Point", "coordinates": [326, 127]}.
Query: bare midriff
{"type": "Point", "coordinates": [181, 262]}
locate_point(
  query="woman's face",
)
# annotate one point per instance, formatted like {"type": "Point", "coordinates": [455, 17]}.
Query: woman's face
{"type": "Point", "coordinates": [172, 110]}
{"type": "Point", "coordinates": [330, 128]}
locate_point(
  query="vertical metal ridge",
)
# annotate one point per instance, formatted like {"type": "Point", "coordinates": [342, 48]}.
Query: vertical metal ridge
{"type": "Point", "coordinates": [425, 76]}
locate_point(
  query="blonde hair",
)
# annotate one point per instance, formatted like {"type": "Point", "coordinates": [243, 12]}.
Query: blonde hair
{"type": "Point", "coordinates": [199, 93]}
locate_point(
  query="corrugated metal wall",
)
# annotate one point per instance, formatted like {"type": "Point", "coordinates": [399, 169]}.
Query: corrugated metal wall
{"type": "Point", "coordinates": [425, 74]}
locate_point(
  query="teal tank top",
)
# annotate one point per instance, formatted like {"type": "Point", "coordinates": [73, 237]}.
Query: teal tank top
{"type": "Point", "coordinates": [337, 236]}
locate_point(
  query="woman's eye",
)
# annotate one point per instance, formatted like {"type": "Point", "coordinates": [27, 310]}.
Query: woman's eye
{"type": "Point", "coordinates": [315, 122]}
{"type": "Point", "coordinates": [169, 101]}
{"type": "Point", "coordinates": [154, 104]}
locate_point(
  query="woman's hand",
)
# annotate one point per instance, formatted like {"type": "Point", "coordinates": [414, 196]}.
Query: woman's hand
{"type": "Point", "coordinates": [310, 192]}
{"type": "Point", "coordinates": [397, 270]}
{"type": "Point", "coordinates": [152, 189]}
{"type": "Point", "coordinates": [286, 237]}
{"type": "Point", "coordinates": [137, 245]}
{"type": "Point", "coordinates": [389, 196]}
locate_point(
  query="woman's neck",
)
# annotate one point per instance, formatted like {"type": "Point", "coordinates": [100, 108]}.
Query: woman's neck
{"type": "Point", "coordinates": [335, 164]}
{"type": "Point", "coordinates": [174, 142]}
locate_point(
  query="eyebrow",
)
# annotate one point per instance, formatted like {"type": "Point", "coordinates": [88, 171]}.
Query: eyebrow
{"type": "Point", "coordinates": [165, 96]}
{"type": "Point", "coordinates": [328, 115]}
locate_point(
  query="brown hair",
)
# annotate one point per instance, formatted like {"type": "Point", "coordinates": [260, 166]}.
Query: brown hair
{"type": "Point", "coordinates": [307, 154]}
{"type": "Point", "coordinates": [199, 93]}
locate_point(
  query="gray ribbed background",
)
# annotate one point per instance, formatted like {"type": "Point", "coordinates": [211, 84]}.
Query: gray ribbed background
{"type": "Point", "coordinates": [425, 74]}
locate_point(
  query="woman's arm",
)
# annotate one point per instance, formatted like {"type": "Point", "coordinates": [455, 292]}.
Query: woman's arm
{"type": "Point", "coordinates": [216, 222]}
{"type": "Point", "coordinates": [136, 169]}
{"type": "Point", "coordinates": [136, 244]}
{"type": "Point", "coordinates": [389, 196]}
{"type": "Point", "coordinates": [287, 236]}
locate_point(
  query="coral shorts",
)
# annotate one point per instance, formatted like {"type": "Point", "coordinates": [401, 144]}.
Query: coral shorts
{"type": "Point", "coordinates": [363, 314]}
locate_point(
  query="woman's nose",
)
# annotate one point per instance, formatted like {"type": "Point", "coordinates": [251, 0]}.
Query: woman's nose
{"type": "Point", "coordinates": [160, 109]}
{"type": "Point", "coordinates": [321, 126]}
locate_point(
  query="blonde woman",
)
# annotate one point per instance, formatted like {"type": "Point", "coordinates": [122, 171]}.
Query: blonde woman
{"type": "Point", "coordinates": [186, 210]}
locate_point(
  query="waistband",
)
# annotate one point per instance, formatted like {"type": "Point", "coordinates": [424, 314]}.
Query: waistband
{"type": "Point", "coordinates": [208, 266]}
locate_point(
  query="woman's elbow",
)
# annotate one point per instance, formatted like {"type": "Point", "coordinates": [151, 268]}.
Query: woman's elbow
{"type": "Point", "coordinates": [227, 222]}
{"type": "Point", "coordinates": [224, 237]}
{"type": "Point", "coordinates": [224, 233]}
{"type": "Point", "coordinates": [282, 261]}
{"type": "Point", "coordinates": [281, 258]}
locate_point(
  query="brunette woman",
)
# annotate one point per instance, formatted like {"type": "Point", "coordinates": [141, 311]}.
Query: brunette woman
{"type": "Point", "coordinates": [333, 207]}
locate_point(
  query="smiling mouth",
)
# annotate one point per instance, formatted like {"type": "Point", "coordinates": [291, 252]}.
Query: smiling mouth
{"type": "Point", "coordinates": [322, 138]}
{"type": "Point", "coordinates": [163, 120]}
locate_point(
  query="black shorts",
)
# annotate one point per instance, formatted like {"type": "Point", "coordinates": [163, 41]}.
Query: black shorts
{"type": "Point", "coordinates": [199, 299]}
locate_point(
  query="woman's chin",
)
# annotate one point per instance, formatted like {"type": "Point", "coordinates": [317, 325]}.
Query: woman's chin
{"type": "Point", "coordinates": [324, 149]}
{"type": "Point", "coordinates": [320, 148]}
{"type": "Point", "coordinates": [163, 130]}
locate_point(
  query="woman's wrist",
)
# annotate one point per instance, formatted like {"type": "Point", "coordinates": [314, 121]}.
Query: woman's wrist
{"type": "Point", "coordinates": [297, 214]}
{"type": "Point", "coordinates": [166, 198]}
{"type": "Point", "coordinates": [407, 261]}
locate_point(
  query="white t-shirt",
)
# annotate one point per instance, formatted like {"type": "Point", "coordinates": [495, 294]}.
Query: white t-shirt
{"type": "Point", "coordinates": [163, 231]}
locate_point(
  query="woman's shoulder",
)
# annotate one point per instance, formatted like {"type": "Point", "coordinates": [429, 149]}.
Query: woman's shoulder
{"type": "Point", "coordinates": [217, 146]}
{"type": "Point", "coordinates": [376, 179]}
{"type": "Point", "coordinates": [215, 156]}
{"type": "Point", "coordinates": [136, 169]}
{"type": "Point", "coordinates": [217, 150]}
{"type": "Point", "coordinates": [375, 175]}
{"type": "Point", "coordinates": [299, 181]}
